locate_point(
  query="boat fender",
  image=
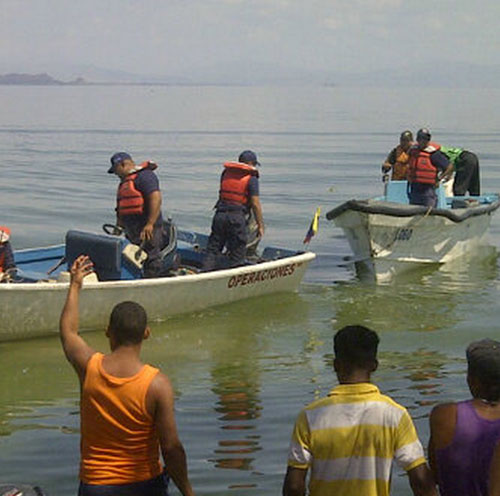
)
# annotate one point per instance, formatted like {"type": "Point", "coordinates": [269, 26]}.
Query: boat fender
{"type": "Point", "coordinates": [135, 255]}
{"type": "Point", "coordinates": [65, 276]}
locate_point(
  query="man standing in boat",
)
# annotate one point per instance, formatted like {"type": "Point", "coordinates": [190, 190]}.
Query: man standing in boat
{"type": "Point", "coordinates": [138, 209]}
{"type": "Point", "coordinates": [398, 158]}
{"type": "Point", "coordinates": [466, 166]}
{"type": "Point", "coordinates": [238, 196]}
{"type": "Point", "coordinates": [7, 264]}
{"type": "Point", "coordinates": [427, 166]}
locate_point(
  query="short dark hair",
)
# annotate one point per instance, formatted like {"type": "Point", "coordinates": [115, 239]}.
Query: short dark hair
{"type": "Point", "coordinates": [127, 322]}
{"type": "Point", "coordinates": [356, 345]}
{"type": "Point", "coordinates": [483, 362]}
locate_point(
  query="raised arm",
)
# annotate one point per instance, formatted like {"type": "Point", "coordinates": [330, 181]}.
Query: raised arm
{"type": "Point", "coordinates": [160, 399]}
{"type": "Point", "coordinates": [77, 351]}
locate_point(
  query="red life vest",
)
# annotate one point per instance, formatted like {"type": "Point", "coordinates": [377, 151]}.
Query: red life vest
{"type": "Point", "coordinates": [2, 260]}
{"type": "Point", "coordinates": [129, 200]}
{"type": "Point", "coordinates": [234, 182]}
{"type": "Point", "coordinates": [420, 168]}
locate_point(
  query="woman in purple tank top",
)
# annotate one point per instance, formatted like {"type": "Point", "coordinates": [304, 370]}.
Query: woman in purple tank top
{"type": "Point", "coordinates": [464, 447]}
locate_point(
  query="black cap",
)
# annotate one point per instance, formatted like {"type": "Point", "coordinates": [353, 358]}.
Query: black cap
{"type": "Point", "coordinates": [406, 136]}
{"type": "Point", "coordinates": [117, 159]}
{"type": "Point", "coordinates": [248, 157]}
{"type": "Point", "coordinates": [423, 134]}
{"type": "Point", "coordinates": [484, 357]}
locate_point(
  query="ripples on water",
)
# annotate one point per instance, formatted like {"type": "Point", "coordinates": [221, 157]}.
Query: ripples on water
{"type": "Point", "coordinates": [241, 372]}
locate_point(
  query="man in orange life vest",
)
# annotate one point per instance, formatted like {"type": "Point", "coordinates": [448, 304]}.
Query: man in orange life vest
{"type": "Point", "coordinates": [7, 264]}
{"type": "Point", "coordinates": [238, 195]}
{"type": "Point", "coordinates": [138, 208]}
{"type": "Point", "coordinates": [398, 159]}
{"type": "Point", "coordinates": [126, 407]}
{"type": "Point", "coordinates": [427, 166]}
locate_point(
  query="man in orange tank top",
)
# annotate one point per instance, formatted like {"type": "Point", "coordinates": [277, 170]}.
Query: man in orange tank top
{"type": "Point", "coordinates": [127, 407]}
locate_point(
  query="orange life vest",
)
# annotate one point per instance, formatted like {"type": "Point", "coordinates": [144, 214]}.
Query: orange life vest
{"type": "Point", "coordinates": [400, 167]}
{"type": "Point", "coordinates": [420, 168]}
{"type": "Point", "coordinates": [234, 182]}
{"type": "Point", "coordinates": [129, 200]}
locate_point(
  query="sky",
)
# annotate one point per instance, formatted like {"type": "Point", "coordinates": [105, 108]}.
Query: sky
{"type": "Point", "coordinates": [190, 38]}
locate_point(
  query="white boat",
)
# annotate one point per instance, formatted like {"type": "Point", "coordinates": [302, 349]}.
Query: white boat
{"type": "Point", "coordinates": [30, 306]}
{"type": "Point", "coordinates": [389, 236]}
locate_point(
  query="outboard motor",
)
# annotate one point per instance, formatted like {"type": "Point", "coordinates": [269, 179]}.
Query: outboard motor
{"type": "Point", "coordinates": [21, 490]}
{"type": "Point", "coordinates": [169, 251]}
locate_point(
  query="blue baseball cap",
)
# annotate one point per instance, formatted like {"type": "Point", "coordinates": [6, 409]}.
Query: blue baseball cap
{"type": "Point", "coordinates": [248, 157]}
{"type": "Point", "coordinates": [117, 159]}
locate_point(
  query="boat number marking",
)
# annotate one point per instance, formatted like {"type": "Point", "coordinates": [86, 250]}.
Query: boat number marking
{"type": "Point", "coordinates": [403, 234]}
{"type": "Point", "coordinates": [261, 275]}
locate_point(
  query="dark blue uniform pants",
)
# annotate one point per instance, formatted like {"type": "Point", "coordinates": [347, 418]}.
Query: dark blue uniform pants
{"type": "Point", "coordinates": [467, 175]}
{"type": "Point", "coordinates": [228, 230]}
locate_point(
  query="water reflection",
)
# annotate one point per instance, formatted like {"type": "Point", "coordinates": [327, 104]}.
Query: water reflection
{"type": "Point", "coordinates": [470, 268]}
{"type": "Point", "coordinates": [236, 380]}
{"type": "Point", "coordinates": [422, 300]}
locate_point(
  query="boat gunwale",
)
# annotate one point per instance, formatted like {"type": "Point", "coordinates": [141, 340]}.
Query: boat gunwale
{"type": "Point", "coordinates": [300, 257]}
{"type": "Point", "coordinates": [394, 209]}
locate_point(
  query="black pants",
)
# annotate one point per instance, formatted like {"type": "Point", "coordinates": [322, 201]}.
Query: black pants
{"type": "Point", "coordinates": [467, 175]}
{"type": "Point", "coordinates": [154, 265]}
{"type": "Point", "coordinates": [228, 230]}
{"type": "Point", "coordinates": [152, 487]}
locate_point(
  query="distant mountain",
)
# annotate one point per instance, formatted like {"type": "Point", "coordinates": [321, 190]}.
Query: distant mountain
{"type": "Point", "coordinates": [42, 79]}
{"type": "Point", "coordinates": [253, 73]}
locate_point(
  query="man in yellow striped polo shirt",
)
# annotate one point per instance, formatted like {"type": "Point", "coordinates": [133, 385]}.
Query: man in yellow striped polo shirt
{"type": "Point", "coordinates": [349, 439]}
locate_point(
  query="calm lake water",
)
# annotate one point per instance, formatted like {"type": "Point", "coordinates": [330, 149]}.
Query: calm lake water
{"type": "Point", "coordinates": [241, 372]}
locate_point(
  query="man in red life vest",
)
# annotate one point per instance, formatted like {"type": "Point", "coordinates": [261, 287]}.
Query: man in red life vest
{"type": "Point", "coordinates": [138, 208]}
{"type": "Point", "coordinates": [238, 196]}
{"type": "Point", "coordinates": [7, 264]}
{"type": "Point", "coordinates": [427, 166]}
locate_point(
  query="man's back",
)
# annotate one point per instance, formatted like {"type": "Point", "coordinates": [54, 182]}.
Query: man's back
{"type": "Point", "coordinates": [119, 442]}
{"type": "Point", "coordinates": [349, 440]}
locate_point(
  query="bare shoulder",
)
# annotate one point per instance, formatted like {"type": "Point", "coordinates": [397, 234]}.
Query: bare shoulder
{"type": "Point", "coordinates": [160, 392]}
{"type": "Point", "coordinates": [443, 413]}
{"type": "Point", "coordinates": [442, 421]}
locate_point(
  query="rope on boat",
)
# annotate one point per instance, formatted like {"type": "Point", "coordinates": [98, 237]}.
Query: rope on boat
{"type": "Point", "coordinates": [410, 226]}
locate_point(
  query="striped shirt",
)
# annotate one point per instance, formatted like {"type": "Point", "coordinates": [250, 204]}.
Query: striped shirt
{"type": "Point", "coordinates": [349, 440]}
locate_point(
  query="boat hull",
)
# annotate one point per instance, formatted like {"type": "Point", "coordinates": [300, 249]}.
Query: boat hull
{"type": "Point", "coordinates": [33, 309]}
{"type": "Point", "coordinates": [389, 239]}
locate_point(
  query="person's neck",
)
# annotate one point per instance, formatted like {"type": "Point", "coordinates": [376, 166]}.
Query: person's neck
{"type": "Point", "coordinates": [130, 351]}
{"type": "Point", "coordinates": [355, 377]}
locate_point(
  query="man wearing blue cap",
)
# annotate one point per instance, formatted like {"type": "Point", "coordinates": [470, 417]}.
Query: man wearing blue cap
{"type": "Point", "coordinates": [427, 166]}
{"type": "Point", "coordinates": [138, 208]}
{"type": "Point", "coordinates": [238, 197]}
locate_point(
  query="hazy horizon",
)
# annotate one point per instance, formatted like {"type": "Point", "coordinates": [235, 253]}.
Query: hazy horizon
{"type": "Point", "coordinates": [253, 42]}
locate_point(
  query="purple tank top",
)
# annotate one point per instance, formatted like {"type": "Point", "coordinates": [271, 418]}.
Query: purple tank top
{"type": "Point", "coordinates": [464, 465]}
